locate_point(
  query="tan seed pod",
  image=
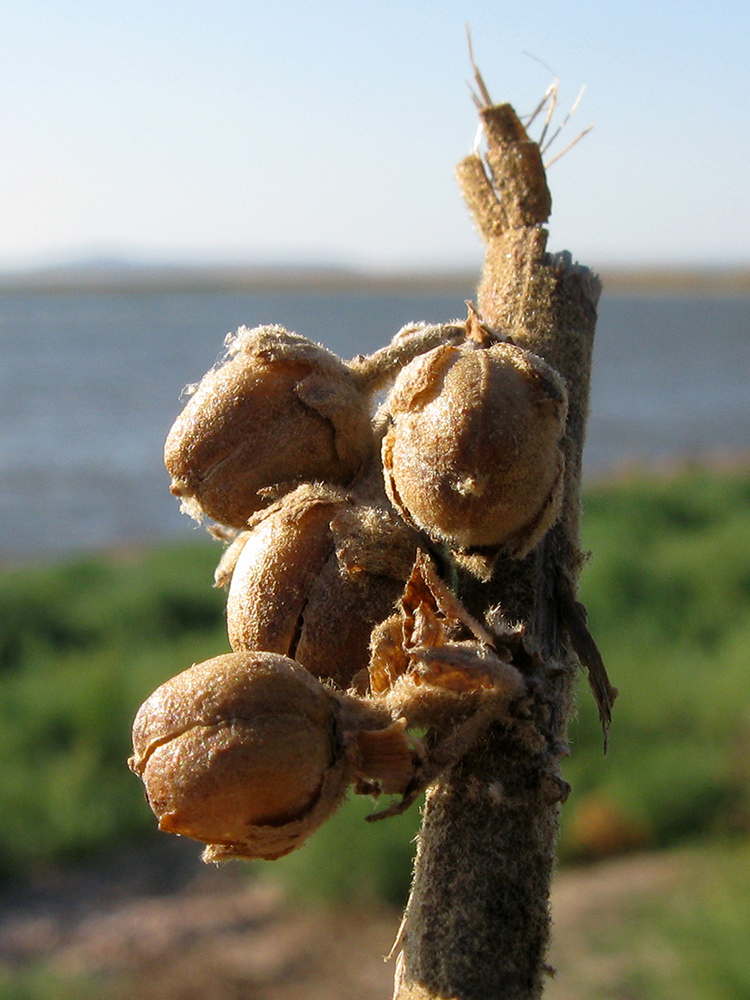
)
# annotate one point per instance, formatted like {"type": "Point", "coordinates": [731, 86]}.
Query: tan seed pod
{"type": "Point", "coordinates": [284, 551]}
{"type": "Point", "coordinates": [243, 753]}
{"type": "Point", "coordinates": [250, 754]}
{"type": "Point", "coordinates": [279, 409]}
{"type": "Point", "coordinates": [473, 453]}
{"type": "Point", "coordinates": [311, 582]}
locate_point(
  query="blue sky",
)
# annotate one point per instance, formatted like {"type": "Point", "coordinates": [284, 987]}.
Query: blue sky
{"type": "Point", "coordinates": [328, 132]}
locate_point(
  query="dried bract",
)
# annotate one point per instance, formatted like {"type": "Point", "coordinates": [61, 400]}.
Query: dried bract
{"type": "Point", "coordinates": [432, 662]}
{"type": "Point", "coordinates": [435, 665]}
{"type": "Point", "coordinates": [279, 409]}
{"type": "Point", "coordinates": [225, 569]}
{"type": "Point", "coordinates": [473, 453]}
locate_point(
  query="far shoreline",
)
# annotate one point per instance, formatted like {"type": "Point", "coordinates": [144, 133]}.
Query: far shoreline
{"type": "Point", "coordinates": [114, 278]}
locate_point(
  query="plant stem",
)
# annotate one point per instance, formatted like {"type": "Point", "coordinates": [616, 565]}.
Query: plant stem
{"type": "Point", "coordinates": [477, 921]}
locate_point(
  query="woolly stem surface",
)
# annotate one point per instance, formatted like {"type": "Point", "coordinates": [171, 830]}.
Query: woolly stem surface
{"type": "Point", "coordinates": [477, 922]}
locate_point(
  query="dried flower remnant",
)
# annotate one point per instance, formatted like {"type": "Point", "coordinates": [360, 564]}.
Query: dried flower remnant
{"type": "Point", "coordinates": [473, 452]}
{"type": "Point", "coordinates": [279, 409]}
{"type": "Point", "coordinates": [437, 667]}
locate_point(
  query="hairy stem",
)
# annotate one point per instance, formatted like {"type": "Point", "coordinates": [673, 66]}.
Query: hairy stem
{"type": "Point", "coordinates": [477, 921]}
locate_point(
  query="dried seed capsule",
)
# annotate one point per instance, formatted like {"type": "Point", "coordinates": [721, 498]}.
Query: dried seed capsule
{"type": "Point", "coordinates": [473, 452]}
{"type": "Point", "coordinates": [242, 752]}
{"type": "Point", "coordinates": [250, 754]}
{"type": "Point", "coordinates": [280, 409]}
{"type": "Point", "coordinates": [314, 574]}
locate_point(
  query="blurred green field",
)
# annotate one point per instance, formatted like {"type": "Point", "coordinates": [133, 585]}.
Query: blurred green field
{"type": "Point", "coordinates": [668, 595]}
{"type": "Point", "coordinates": [668, 592]}
{"type": "Point", "coordinates": [668, 925]}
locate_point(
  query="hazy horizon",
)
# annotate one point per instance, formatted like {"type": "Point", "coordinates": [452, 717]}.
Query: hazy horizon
{"type": "Point", "coordinates": [112, 261]}
{"type": "Point", "coordinates": [131, 276]}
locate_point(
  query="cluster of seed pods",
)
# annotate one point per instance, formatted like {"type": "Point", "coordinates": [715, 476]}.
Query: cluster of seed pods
{"type": "Point", "coordinates": [344, 634]}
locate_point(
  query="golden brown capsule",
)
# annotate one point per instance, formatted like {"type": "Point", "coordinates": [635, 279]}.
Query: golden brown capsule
{"type": "Point", "coordinates": [314, 574]}
{"type": "Point", "coordinates": [249, 753]}
{"type": "Point", "coordinates": [241, 752]}
{"type": "Point", "coordinates": [279, 409]}
{"type": "Point", "coordinates": [473, 453]}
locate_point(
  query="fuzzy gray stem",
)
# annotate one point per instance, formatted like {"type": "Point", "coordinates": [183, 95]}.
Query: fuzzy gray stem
{"type": "Point", "coordinates": [477, 921]}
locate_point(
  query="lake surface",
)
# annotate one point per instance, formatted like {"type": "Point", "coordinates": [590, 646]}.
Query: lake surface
{"type": "Point", "coordinates": [90, 384]}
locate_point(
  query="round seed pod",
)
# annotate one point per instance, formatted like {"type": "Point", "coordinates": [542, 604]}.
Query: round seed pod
{"type": "Point", "coordinates": [242, 752]}
{"type": "Point", "coordinates": [473, 453]}
{"type": "Point", "coordinates": [280, 409]}
{"type": "Point", "coordinates": [311, 580]}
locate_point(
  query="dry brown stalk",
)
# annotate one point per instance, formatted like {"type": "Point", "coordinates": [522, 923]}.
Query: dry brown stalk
{"type": "Point", "coordinates": [477, 922]}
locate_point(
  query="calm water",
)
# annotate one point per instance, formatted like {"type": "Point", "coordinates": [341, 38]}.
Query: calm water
{"type": "Point", "coordinates": [90, 384]}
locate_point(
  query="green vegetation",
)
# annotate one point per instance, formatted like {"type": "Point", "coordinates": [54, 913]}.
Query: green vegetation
{"type": "Point", "coordinates": [685, 937]}
{"type": "Point", "coordinates": [668, 592]}
{"type": "Point", "coordinates": [81, 645]}
{"type": "Point", "coordinates": [708, 921]}
{"type": "Point", "coordinates": [37, 983]}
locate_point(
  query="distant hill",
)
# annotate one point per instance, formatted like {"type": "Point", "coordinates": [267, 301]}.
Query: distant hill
{"type": "Point", "coordinates": [709, 280]}
{"type": "Point", "coordinates": [109, 275]}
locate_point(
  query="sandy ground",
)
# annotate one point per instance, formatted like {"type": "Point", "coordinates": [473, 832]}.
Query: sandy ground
{"type": "Point", "coordinates": [160, 925]}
